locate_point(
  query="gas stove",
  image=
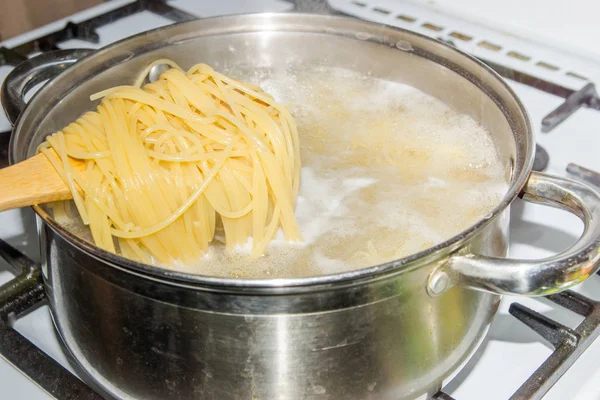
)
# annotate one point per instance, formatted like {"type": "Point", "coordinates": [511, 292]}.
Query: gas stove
{"type": "Point", "coordinates": [536, 348]}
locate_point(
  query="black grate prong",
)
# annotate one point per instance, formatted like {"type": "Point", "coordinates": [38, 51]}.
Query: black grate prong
{"type": "Point", "coordinates": [573, 301]}
{"type": "Point", "coordinates": [586, 96]}
{"type": "Point", "coordinates": [442, 396]}
{"type": "Point", "coordinates": [24, 291]}
{"type": "Point", "coordinates": [10, 57]}
{"type": "Point", "coordinates": [552, 331]}
{"type": "Point", "coordinates": [82, 32]}
{"type": "Point", "coordinates": [162, 8]}
{"type": "Point", "coordinates": [86, 30]}
{"type": "Point", "coordinates": [17, 261]}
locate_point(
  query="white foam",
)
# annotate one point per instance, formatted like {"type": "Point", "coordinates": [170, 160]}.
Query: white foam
{"type": "Point", "coordinates": [321, 199]}
{"type": "Point", "coordinates": [244, 249]}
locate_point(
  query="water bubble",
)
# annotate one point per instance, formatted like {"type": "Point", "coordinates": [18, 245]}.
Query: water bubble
{"type": "Point", "coordinates": [318, 389]}
{"type": "Point", "coordinates": [402, 45]}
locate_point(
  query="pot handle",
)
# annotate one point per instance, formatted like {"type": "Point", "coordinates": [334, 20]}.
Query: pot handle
{"type": "Point", "coordinates": [533, 277]}
{"type": "Point", "coordinates": [31, 72]}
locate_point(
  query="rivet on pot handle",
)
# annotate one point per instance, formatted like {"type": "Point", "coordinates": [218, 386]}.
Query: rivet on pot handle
{"type": "Point", "coordinates": [533, 277]}
{"type": "Point", "coordinates": [31, 72]}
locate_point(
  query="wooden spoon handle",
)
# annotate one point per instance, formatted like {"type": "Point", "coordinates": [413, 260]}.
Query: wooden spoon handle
{"type": "Point", "coordinates": [30, 182]}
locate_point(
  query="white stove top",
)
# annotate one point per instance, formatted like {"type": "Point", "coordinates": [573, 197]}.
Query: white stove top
{"type": "Point", "coordinates": [511, 352]}
{"type": "Point", "coordinates": [569, 25]}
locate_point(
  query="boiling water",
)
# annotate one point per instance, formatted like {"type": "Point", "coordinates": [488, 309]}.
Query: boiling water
{"type": "Point", "coordinates": [387, 171]}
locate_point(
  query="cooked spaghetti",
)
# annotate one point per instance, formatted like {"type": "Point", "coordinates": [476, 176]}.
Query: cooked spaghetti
{"type": "Point", "coordinates": [169, 162]}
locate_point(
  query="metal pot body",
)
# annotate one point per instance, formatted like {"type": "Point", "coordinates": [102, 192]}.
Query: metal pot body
{"type": "Point", "coordinates": [393, 331]}
{"type": "Point", "coordinates": [383, 339]}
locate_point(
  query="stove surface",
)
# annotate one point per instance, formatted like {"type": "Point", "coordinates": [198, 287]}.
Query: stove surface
{"type": "Point", "coordinates": [511, 351]}
{"type": "Point", "coordinates": [533, 19]}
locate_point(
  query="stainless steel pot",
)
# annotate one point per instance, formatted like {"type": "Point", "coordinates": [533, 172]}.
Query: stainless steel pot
{"type": "Point", "coordinates": [393, 331]}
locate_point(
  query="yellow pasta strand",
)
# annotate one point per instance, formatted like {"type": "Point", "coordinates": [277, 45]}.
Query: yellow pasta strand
{"type": "Point", "coordinates": [168, 160]}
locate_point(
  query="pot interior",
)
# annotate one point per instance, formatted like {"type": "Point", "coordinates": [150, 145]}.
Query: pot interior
{"type": "Point", "coordinates": [276, 42]}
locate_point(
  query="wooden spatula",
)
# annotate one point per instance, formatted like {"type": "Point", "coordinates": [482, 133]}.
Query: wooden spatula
{"type": "Point", "coordinates": [33, 181]}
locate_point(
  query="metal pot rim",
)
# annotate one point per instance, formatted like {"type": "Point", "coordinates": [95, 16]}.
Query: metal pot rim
{"type": "Point", "coordinates": [317, 24]}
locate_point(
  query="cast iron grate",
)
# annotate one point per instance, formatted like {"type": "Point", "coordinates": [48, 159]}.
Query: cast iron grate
{"type": "Point", "coordinates": [568, 343]}
{"type": "Point", "coordinates": [86, 30]}
{"type": "Point", "coordinates": [25, 292]}
{"type": "Point", "coordinates": [18, 297]}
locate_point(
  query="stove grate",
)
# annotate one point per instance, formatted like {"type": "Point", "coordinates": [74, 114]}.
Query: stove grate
{"type": "Point", "coordinates": [568, 343]}
{"type": "Point", "coordinates": [25, 292]}
{"type": "Point", "coordinates": [86, 30]}
{"type": "Point", "coordinates": [18, 297]}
